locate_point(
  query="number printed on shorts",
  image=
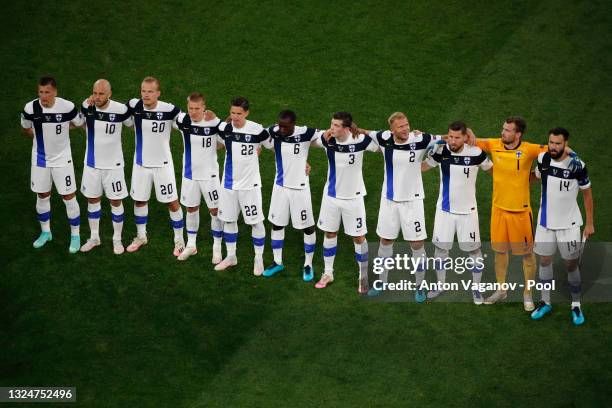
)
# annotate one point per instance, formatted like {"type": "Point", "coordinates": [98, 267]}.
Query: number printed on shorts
{"type": "Point", "coordinates": [166, 189]}
{"type": "Point", "coordinates": [247, 150]}
{"type": "Point", "coordinates": [68, 181]}
{"type": "Point", "coordinates": [213, 195]}
{"type": "Point", "coordinates": [359, 221]}
{"type": "Point", "coordinates": [250, 210]}
{"type": "Point", "coordinates": [158, 127]}
{"type": "Point", "coordinates": [473, 236]}
{"type": "Point", "coordinates": [417, 226]}
{"type": "Point", "coordinates": [303, 215]}
{"type": "Point", "coordinates": [116, 186]}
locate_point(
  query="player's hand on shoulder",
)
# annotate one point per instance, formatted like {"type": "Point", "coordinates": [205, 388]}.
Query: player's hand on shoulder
{"type": "Point", "coordinates": [209, 115]}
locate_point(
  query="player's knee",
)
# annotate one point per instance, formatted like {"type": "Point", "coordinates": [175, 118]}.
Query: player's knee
{"type": "Point", "coordinates": [193, 209]}
{"type": "Point", "coordinates": [174, 205]}
{"type": "Point", "coordinates": [115, 203]}
{"type": "Point", "coordinates": [571, 264]}
{"type": "Point", "coordinates": [415, 245]}
{"type": "Point", "coordinates": [68, 197]}
{"type": "Point", "coordinates": [545, 260]}
{"type": "Point", "coordinates": [44, 195]}
{"type": "Point", "coordinates": [309, 230]}
{"type": "Point", "coordinates": [359, 240]}
{"type": "Point", "coordinates": [440, 253]}
{"type": "Point", "coordinates": [140, 203]}
{"type": "Point", "coordinates": [331, 234]}
{"type": "Point", "coordinates": [277, 227]}
{"type": "Point", "coordinates": [213, 211]}
{"type": "Point", "coordinates": [95, 200]}
{"type": "Point", "coordinates": [384, 241]}
{"type": "Point", "coordinates": [258, 229]}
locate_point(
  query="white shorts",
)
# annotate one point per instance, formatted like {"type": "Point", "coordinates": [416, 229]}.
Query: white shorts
{"type": "Point", "coordinates": [43, 178]}
{"type": "Point", "coordinates": [567, 240]}
{"type": "Point", "coordinates": [351, 212]}
{"type": "Point", "coordinates": [193, 190]}
{"type": "Point", "coordinates": [231, 202]}
{"type": "Point", "coordinates": [464, 225]}
{"type": "Point", "coordinates": [163, 177]}
{"type": "Point", "coordinates": [289, 201]}
{"type": "Point", "coordinates": [407, 215]}
{"type": "Point", "coordinates": [108, 181]}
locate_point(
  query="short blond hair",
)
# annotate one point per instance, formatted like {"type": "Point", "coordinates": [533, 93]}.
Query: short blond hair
{"type": "Point", "coordinates": [395, 116]}
{"type": "Point", "coordinates": [154, 80]}
{"type": "Point", "coordinates": [196, 97]}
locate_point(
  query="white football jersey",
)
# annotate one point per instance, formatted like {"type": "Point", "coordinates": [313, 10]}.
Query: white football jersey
{"type": "Point", "coordinates": [152, 129]}
{"type": "Point", "coordinates": [558, 206]}
{"type": "Point", "coordinates": [241, 169]}
{"type": "Point", "coordinates": [344, 164]}
{"type": "Point", "coordinates": [291, 154]}
{"type": "Point", "coordinates": [103, 129]}
{"type": "Point", "coordinates": [458, 172]}
{"type": "Point", "coordinates": [403, 181]}
{"type": "Point", "coordinates": [51, 144]}
{"type": "Point", "coordinates": [199, 147]}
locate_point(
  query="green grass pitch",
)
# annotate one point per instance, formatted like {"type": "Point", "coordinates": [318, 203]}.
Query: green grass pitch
{"type": "Point", "coordinates": [145, 330]}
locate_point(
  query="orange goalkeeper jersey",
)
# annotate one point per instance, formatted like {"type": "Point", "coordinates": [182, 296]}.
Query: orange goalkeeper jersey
{"type": "Point", "coordinates": [511, 170]}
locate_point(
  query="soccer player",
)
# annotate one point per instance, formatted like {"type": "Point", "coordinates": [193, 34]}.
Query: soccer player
{"type": "Point", "coordinates": [343, 195]}
{"type": "Point", "coordinates": [200, 173]}
{"type": "Point", "coordinates": [456, 210]}
{"type": "Point", "coordinates": [153, 162]}
{"type": "Point", "coordinates": [241, 190]}
{"type": "Point", "coordinates": [47, 120]}
{"type": "Point", "coordinates": [511, 219]}
{"type": "Point", "coordinates": [291, 191]}
{"type": "Point", "coordinates": [401, 202]}
{"type": "Point", "coordinates": [559, 219]}
{"type": "Point", "coordinates": [103, 169]}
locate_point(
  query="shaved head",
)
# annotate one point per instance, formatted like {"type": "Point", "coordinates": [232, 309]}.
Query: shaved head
{"type": "Point", "coordinates": [101, 93]}
{"type": "Point", "coordinates": [102, 84]}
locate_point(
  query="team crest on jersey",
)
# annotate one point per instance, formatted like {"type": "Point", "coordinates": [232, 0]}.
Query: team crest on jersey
{"type": "Point", "coordinates": [160, 115]}
{"type": "Point", "coordinates": [247, 138]}
{"type": "Point", "coordinates": [207, 131]}
{"type": "Point", "coordinates": [58, 117]}
{"type": "Point", "coordinates": [467, 160]}
{"type": "Point", "coordinates": [519, 154]}
{"type": "Point", "coordinates": [296, 138]}
{"type": "Point", "coordinates": [412, 146]}
{"type": "Point", "coordinates": [148, 114]}
{"type": "Point", "coordinates": [351, 148]}
{"type": "Point", "coordinates": [112, 116]}
{"type": "Point", "coordinates": [566, 173]}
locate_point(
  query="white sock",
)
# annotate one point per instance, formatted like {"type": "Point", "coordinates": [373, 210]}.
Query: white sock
{"type": "Point", "coordinates": [545, 275]}
{"type": "Point", "coordinates": [230, 235]}
{"type": "Point", "coordinates": [440, 256]}
{"type": "Point", "coordinates": [216, 229]}
{"type": "Point", "coordinates": [309, 248]}
{"type": "Point", "coordinates": [73, 213]}
{"type": "Point", "coordinates": [385, 251]}
{"type": "Point", "coordinates": [117, 216]}
{"type": "Point", "coordinates": [361, 256]}
{"type": "Point", "coordinates": [94, 212]}
{"type": "Point", "coordinates": [330, 246]}
{"type": "Point", "coordinates": [258, 233]}
{"type": "Point", "coordinates": [419, 256]}
{"type": "Point", "coordinates": [192, 222]}
{"type": "Point", "coordinates": [140, 214]}
{"type": "Point", "coordinates": [43, 211]}
{"type": "Point", "coordinates": [278, 239]}
{"type": "Point", "coordinates": [176, 219]}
